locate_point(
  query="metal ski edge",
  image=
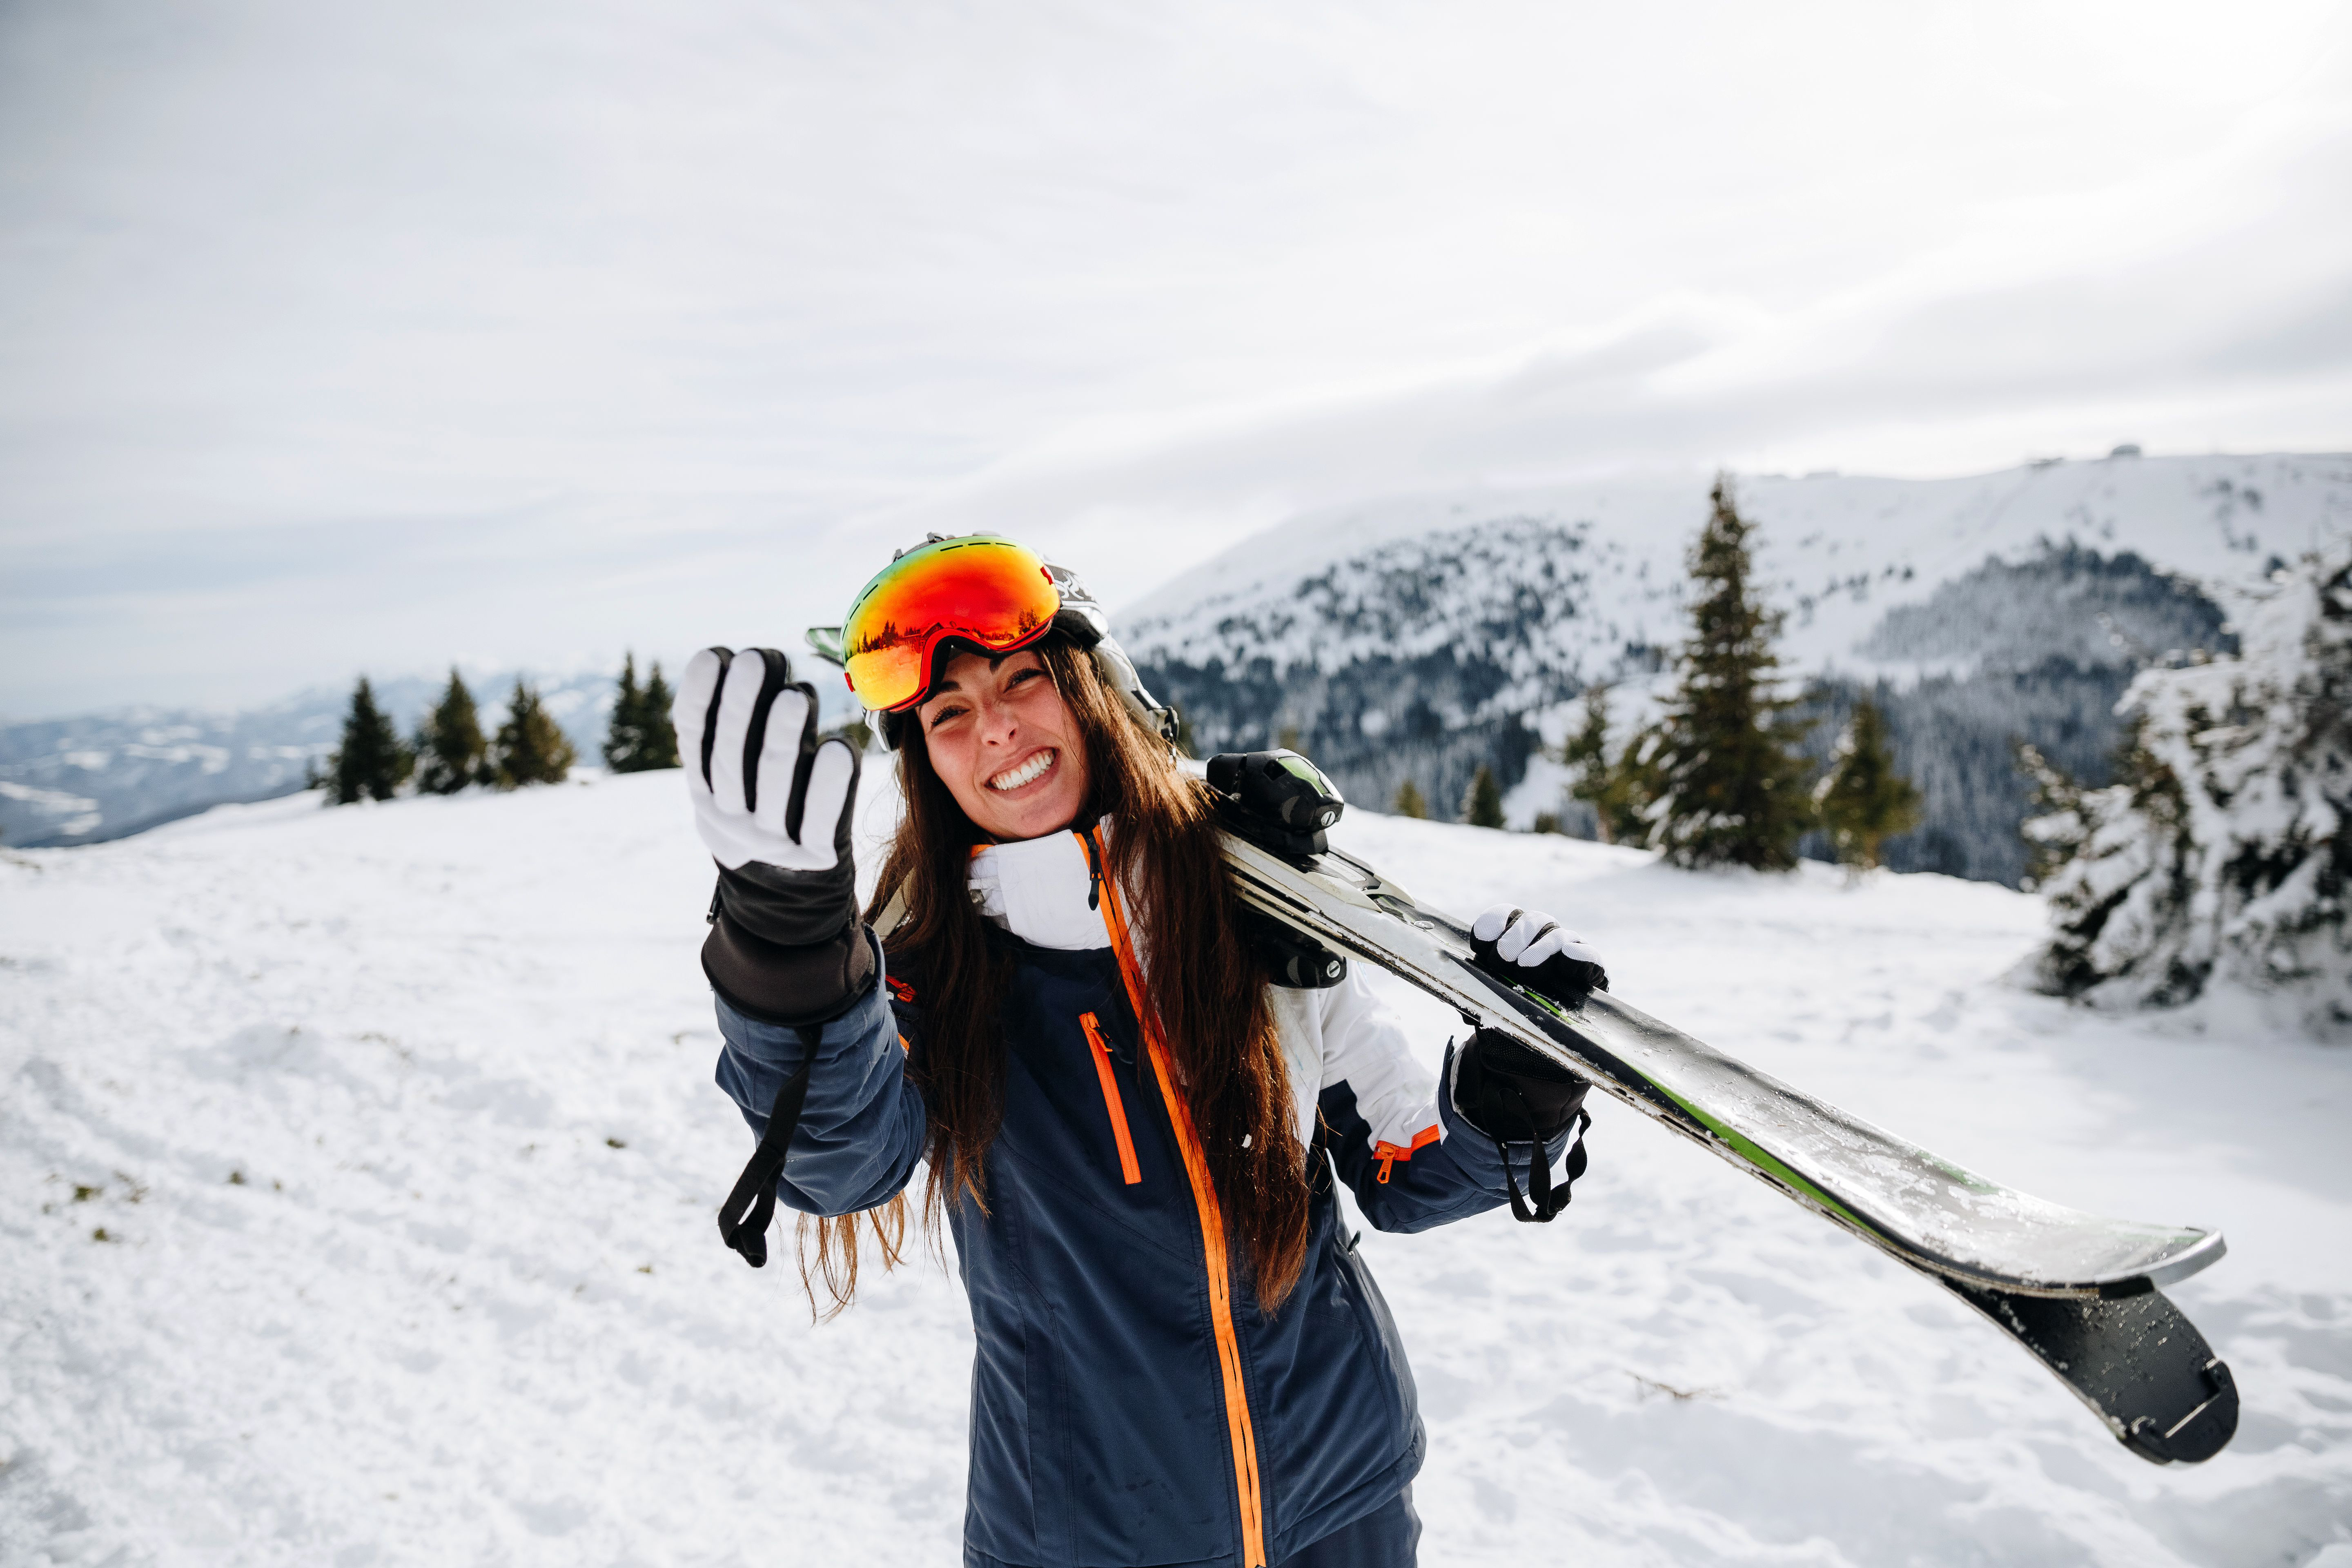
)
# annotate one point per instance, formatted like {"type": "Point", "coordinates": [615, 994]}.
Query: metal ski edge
{"type": "Point", "coordinates": [1744, 1152]}
{"type": "Point", "coordinates": [1480, 997]}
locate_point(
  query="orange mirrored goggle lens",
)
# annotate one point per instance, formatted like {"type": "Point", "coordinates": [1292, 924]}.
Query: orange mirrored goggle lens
{"type": "Point", "coordinates": [987, 591]}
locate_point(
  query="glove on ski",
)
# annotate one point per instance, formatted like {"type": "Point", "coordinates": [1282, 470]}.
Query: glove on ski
{"type": "Point", "coordinates": [1511, 1094]}
{"type": "Point", "coordinates": [1533, 950]}
{"type": "Point", "coordinates": [772, 805]}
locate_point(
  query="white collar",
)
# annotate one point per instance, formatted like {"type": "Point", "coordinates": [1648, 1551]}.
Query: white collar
{"type": "Point", "coordinates": [1038, 889]}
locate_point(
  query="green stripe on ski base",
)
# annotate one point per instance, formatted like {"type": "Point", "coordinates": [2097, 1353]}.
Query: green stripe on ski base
{"type": "Point", "coordinates": [1745, 1147]}
{"type": "Point", "coordinates": [1756, 1157]}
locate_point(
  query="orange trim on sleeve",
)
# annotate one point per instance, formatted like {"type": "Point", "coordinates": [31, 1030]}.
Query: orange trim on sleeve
{"type": "Point", "coordinates": [1212, 1231]}
{"type": "Point", "coordinates": [1389, 1153]}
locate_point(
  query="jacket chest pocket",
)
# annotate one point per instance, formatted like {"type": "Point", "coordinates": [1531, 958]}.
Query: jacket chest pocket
{"type": "Point", "coordinates": [1112, 1103]}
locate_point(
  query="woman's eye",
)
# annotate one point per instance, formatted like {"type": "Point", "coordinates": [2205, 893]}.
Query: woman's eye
{"type": "Point", "coordinates": [941, 715]}
{"type": "Point", "coordinates": [1020, 676]}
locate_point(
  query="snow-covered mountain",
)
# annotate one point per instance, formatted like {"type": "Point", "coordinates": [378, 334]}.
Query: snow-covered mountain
{"type": "Point", "coordinates": [1420, 636]}
{"type": "Point", "coordinates": [357, 1170]}
{"type": "Point", "coordinates": [102, 775]}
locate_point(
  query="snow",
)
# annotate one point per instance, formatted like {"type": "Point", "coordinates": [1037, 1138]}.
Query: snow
{"type": "Point", "coordinates": [1837, 551]}
{"type": "Point", "coordinates": [2219, 858]}
{"type": "Point", "coordinates": [398, 1122]}
{"type": "Point", "coordinates": [79, 813]}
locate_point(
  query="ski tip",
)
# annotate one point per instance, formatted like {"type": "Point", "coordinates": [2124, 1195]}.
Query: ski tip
{"type": "Point", "coordinates": [2208, 1249]}
{"type": "Point", "coordinates": [2196, 1436]}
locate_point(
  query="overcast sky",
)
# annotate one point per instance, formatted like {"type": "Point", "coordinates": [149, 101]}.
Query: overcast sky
{"type": "Point", "coordinates": [355, 337]}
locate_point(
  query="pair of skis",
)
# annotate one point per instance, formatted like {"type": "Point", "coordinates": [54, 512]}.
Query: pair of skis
{"type": "Point", "coordinates": [2078, 1292]}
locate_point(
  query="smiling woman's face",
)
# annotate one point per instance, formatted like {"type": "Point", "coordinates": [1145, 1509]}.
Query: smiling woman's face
{"type": "Point", "coordinates": [1006, 747]}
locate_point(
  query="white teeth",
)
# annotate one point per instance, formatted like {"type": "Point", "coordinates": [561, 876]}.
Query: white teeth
{"type": "Point", "coordinates": [1013, 778]}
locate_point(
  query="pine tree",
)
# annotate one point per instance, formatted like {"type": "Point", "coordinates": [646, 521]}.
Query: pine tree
{"type": "Point", "coordinates": [371, 763]}
{"type": "Point", "coordinates": [1482, 802]}
{"type": "Point", "coordinates": [450, 751]}
{"type": "Point", "coordinates": [625, 734]}
{"type": "Point", "coordinates": [1611, 789]}
{"type": "Point", "coordinates": [1410, 801]}
{"type": "Point", "coordinates": [531, 749]}
{"type": "Point", "coordinates": [660, 736]}
{"type": "Point", "coordinates": [2219, 852]}
{"type": "Point", "coordinates": [639, 737]}
{"type": "Point", "coordinates": [1724, 782]}
{"type": "Point", "coordinates": [1862, 801]}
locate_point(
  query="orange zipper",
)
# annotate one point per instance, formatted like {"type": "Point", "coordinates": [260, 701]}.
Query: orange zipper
{"type": "Point", "coordinates": [1213, 1226]}
{"type": "Point", "coordinates": [1389, 1153]}
{"type": "Point", "coordinates": [1111, 1102]}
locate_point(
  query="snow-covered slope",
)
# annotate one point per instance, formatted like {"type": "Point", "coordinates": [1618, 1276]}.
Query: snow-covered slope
{"type": "Point", "coordinates": [399, 1126]}
{"type": "Point", "coordinates": [1838, 552]}
{"type": "Point", "coordinates": [1423, 635]}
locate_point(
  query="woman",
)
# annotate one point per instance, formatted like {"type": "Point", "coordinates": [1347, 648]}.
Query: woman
{"type": "Point", "coordinates": [1131, 1133]}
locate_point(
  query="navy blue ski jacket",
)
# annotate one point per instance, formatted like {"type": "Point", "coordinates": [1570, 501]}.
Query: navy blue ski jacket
{"type": "Point", "coordinates": [1132, 1403]}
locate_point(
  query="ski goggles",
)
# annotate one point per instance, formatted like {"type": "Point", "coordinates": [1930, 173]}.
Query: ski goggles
{"type": "Point", "coordinates": [982, 591]}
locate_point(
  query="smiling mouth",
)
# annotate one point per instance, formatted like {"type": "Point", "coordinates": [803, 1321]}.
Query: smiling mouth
{"type": "Point", "coordinates": [1027, 773]}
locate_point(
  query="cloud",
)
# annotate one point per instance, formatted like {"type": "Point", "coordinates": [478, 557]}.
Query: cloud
{"type": "Point", "coordinates": [336, 340]}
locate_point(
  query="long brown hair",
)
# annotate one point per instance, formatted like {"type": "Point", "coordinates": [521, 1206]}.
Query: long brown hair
{"type": "Point", "coordinates": [1207, 992]}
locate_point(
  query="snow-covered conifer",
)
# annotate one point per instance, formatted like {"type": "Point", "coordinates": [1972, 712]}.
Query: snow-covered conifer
{"type": "Point", "coordinates": [1410, 801]}
{"type": "Point", "coordinates": [1724, 781]}
{"type": "Point", "coordinates": [1862, 801]}
{"type": "Point", "coordinates": [2217, 854]}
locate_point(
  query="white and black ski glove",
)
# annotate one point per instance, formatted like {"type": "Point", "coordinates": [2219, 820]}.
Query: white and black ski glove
{"type": "Point", "coordinates": [773, 805]}
{"type": "Point", "coordinates": [1509, 1092]}
{"type": "Point", "coordinates": [1538, 953]}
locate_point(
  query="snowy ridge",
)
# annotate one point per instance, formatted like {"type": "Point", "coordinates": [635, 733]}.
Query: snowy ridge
{"type": "Point", "coordinates": [1837, 553]}
{"type": "Point", "coordinates": [1513, 587]}
{"type": "Point", "coordinates": [399, 1124]}
{"type": "Point", "coordinates": [1418, 639]}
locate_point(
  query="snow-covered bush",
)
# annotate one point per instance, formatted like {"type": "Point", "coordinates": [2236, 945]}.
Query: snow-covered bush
{"type": "Point", "coordinates": [2217, 855]}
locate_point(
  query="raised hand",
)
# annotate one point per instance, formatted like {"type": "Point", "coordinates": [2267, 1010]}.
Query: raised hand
{"type": "Point", "coordinates": [765, 790]}
{"type": "Point", "coordinates": [773, 805]}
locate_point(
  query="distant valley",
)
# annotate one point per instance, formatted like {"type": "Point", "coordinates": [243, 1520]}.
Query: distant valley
{"type": "Point", "coordinates": [102, 775]}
